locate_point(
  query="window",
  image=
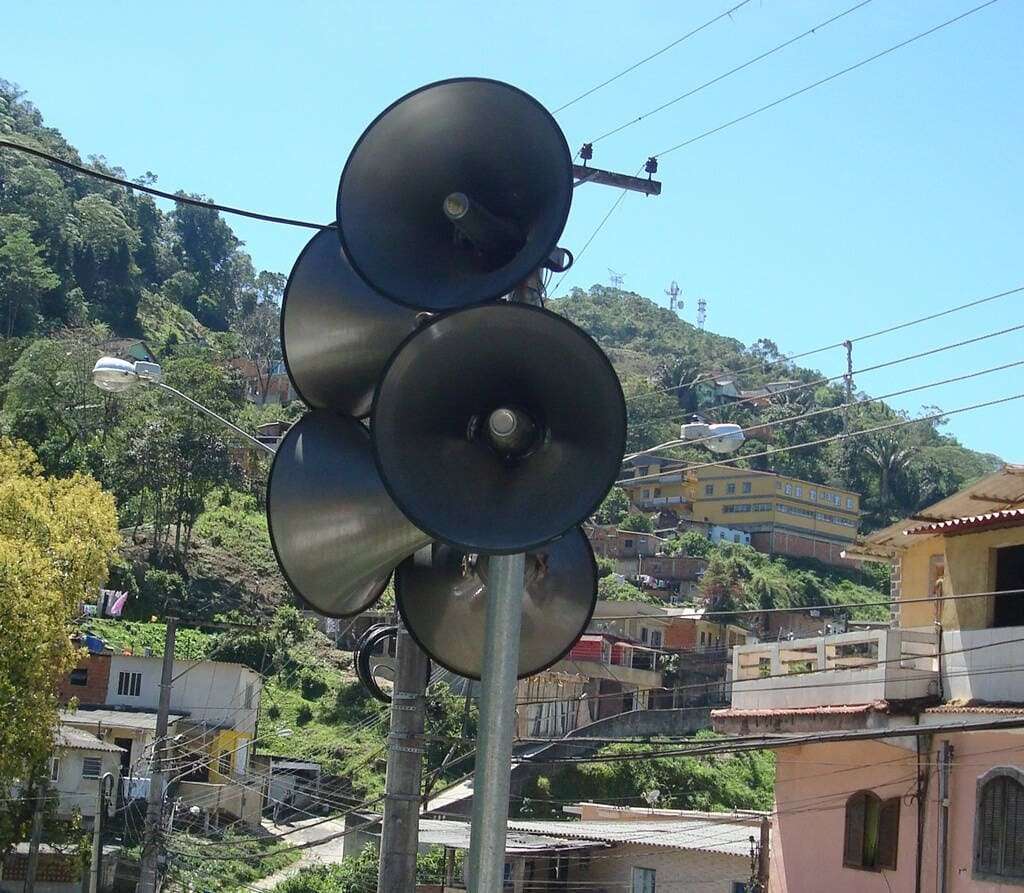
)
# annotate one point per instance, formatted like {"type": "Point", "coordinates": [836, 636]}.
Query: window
{"type": "Point", "coordinates": [91, 767]}
{"type": "Point", "coordinates": [799, 491]}
{"type": "Point", "coordinates": [657, 491]}
{"type": "Point", "coordinates": [643, 880]}
{"type": "Point", "coordinates": [224, 763]}
{"type": "Point", "coordinates": [849, 503]}
{"type": "Point", "coordinates": [1008, 609]}
{"type": "Point", "coordinates": [730, 489]}
{"type": "Point", "coordinates": [739, 887]}
{"type": "Point", "coordinates": [788, 489]}
{"type": "Point", "coordinates": [655, 638]}
{"type": "Point", "coordinates": [79, 676]}
{"type": "Point", "coordinates": [746, 486]}
{"type": "Point", "coordinates": [55, 769]}
{"type": "Point", "coordinates": [644, 634]}
{"type": "Point", "coordinates": [506, 874]}
{"type": "Point", "coordinates": [999, 825]}
{"type": "Point", "coordinates": [129, 684]}
{"type": "Point", "coordinates": [709, 489]}
{"type": "Point", "coordinates": [647, 494]}
{"type": "Point", "coordinates": [628, 544]}
{"type": "Point", "coordinates": [813, 495]}
{"type": "Point", "coordinates": [872, 832]}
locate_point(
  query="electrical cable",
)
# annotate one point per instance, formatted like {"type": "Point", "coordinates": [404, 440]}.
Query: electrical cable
{"type": "Point", "coordinates": [824, 80]}
{"type": "Point", "coordinates": [159, 193]}
{"type": "Point", "coordinates": [812, 30]}
{"type": "Point", "coordinates": [646, 59]}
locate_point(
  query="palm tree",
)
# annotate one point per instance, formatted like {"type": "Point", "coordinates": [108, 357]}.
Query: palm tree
{"type": "Point", "coordinates": [891, 456]}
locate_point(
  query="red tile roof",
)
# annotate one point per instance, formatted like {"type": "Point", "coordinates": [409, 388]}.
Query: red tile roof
{"type": "Point", "coordinates": [1004, 518]}
{"type": "Point", "coordinates": [842, 709]}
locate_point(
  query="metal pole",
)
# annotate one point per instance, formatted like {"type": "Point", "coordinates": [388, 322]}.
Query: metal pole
{"type": "Point", "coordinates": [400, 828]}
{"type": "Point", "coordinates": [97, 833]}
{"type": "Point", "coordinates": [207, 411]}
{"type": "Point", "coordinates": [497, 721]}
{"type": "Point", "coordinates": [155, 800]}
{"type": "Point", "coordinates": [945, 759]}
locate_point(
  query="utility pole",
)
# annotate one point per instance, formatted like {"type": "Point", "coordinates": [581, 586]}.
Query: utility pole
{"type": "Point", "coordinates": [945, 761]}
{"type": "Point", "coordinates": [400, 828]}
{"type": "Point", "coordinates": [155, 801]}
{"type": "Point", "coordinates": [97, 833]}
{"type": "Point", "coordinates": [763, 855]}
{"type": "Point", "coordinates": [848, 378]}
{"type": "Point", "coordinates": [37, 836]}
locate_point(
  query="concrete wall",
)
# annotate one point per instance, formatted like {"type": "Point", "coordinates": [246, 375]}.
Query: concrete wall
{"type": "Point", "coordinates": [814, 782]}
{"type": "Point", "coordinates": [210, 692]}
{"type": "Point", "coordinates": [80, 793]}
{"type": "Point", "coordinates": [983, 665]}
{"type": "Point", "coordinates": [675, 869]}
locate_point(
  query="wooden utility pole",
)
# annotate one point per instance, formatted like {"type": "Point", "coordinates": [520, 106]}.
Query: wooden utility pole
{"type": "Point", "coordinates": [401, 824]}
{"type": "Point", "coordinates": [763, 855]}
{"type": "Point", "coordinates": [151, 844]}
{"type": "Point", "coordinates": [97, 833]}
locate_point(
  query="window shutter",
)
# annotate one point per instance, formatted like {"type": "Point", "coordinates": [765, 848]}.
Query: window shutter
{"type": "Point", "coordinates": [986, 859]}
{"type": "Point", "coordinates": [888, 833]}
{"type": "Point", "coordinates": [853, 846]}
{"type": "Point", "coordinates": [1013, 837]}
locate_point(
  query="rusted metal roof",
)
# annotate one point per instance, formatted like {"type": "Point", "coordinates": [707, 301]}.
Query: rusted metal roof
{"type": "Point", "coordinates": [1004, 518]}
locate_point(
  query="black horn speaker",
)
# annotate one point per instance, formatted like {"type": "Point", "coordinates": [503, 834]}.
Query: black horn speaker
{"type": "Point", "coordinates": [336, 332]}
{"type": "Point", "coordinates": [335, 531]}
{"type": "Point", "coordinates": [444, 604]}
{"type": "Point", "coordinates": [498, 428]}
{"type": "Point", "coordinates": [455, 194]}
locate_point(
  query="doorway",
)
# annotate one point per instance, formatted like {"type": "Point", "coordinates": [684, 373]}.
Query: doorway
{"type": "Point", "coordinates": [126, 755]}
{"type": "Point", "coordinates": [1009, 608]}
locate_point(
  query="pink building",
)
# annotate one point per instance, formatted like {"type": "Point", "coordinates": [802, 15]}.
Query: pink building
{"type": "Point", "coordinates": [901, 748]}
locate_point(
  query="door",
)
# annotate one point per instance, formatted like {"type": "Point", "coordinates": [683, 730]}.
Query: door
{"type": "Point", "coordinates": [126, 755]}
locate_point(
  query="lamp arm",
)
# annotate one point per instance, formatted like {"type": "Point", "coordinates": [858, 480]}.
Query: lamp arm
{"type": "Point", "coordinates": [223, 421]}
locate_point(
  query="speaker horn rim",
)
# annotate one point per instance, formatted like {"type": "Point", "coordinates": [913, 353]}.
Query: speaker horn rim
{"type": "Point", "coordinates": [500, 308]}
{"type": "Point", "coordinates": [377, 593]}
{"type": "Point", "coordinates": [399, 604]}
{"type": "Point", "coordinates": [355, 147]}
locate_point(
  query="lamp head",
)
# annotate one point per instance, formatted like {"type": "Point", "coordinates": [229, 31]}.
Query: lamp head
{"type": "Point", "coordinates": [114, 375]}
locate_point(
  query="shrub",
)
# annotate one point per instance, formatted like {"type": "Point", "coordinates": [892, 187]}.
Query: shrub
{"type": "Point", "coordinates": [304, 716]}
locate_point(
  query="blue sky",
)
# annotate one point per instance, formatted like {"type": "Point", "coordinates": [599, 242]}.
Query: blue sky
{"type": "Point", "coordinates": [887, 194]}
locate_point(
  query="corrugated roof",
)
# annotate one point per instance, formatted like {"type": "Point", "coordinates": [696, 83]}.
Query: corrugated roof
{"type": "Point", "coordinates": [1004, 518]}
{"type": "Point", "coordinates": [122, 719]}
{"type": "Point", "coordinates": [830, 710]}
{"type": "Point", "coordinates": [730, 836]}
{"type": "Point", "coordinates": [439, 832]}
{"type": "Point", "coordinates": [993, 492]}
{"type": "Point", "coordinates": [79, 739]}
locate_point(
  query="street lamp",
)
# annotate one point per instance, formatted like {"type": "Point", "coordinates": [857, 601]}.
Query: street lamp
{"type": "Point", "coordinates": [116, 376]}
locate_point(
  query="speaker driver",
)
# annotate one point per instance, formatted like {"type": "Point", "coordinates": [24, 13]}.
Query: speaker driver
{"type": "Point", "coordinates": [455, 194]}
{"type": "Point", "coordinates": [335, 531]}
{"type": "Point", "coordinates": [444, 604]}
{"type": "Point", "coordinates": [498, 428]}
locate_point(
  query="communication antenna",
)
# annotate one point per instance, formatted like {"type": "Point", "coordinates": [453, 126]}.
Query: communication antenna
{"type": "Point", "coordinates": [674, 301]}
{"type": "Point", "coordinates": [616, 278]}
{"type": "Point", "coordinates": [702, 312]}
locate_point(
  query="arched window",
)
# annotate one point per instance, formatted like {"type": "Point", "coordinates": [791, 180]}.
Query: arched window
{"type": "Point", "coordinates": [872, 832]}
{"type": "Point", "coordinates": [999, 825]}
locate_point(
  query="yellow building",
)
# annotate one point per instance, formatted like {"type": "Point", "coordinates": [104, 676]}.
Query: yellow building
{"type": "Point", "coordinates": [782, 514]}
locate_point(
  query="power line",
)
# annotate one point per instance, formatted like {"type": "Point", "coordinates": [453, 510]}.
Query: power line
{"type": "Point", "coordinates": [812, 30]}
{"type": "Point", "coordinates": [654, 55]}
{"type": "Point", "coordinates": [771, 451]}
{"type": "Point", "coordinates": [159, 193]}
{"type": "Point", "coordinates": [807, 353]}
{"type": "Point", "coordinates": [829, 409]}
{"type": "Point", "coordinates": [824, 80]}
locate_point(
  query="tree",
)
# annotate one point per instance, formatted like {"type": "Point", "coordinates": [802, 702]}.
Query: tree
{"type": "Point", "coordinates": [691, 543]}
{"type": "Point", "coordinates": [25, 278]}
{"type": "Point", "coordinates": [891, 456]}
{"type": "Point", "coordinates": [57, 536]}
{"type": "Point", "coordinates": [637, 522]}
{"type": "Point", "coordinates": [614, 508]}
{"type": "Point", "coordinates": [258, 328]}
{"type": "Point", "coordinates": [612, 589]}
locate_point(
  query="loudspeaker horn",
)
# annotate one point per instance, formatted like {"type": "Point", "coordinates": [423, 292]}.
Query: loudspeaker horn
{"type": "Point", "coordinates": [498, 428]}
{"type": "Point", "coordinates": [335, 531]}
{"type": "Point", "coordinates": [455, 194]}
{"type": "Point", "coordinates": [444, 604]}
{"type": "Point", "coordinates": [336, 332]}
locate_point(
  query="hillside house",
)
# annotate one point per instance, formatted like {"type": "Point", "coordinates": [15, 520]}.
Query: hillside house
{"type": "Point", "coordinates": [80, 760]}
{"type": "Point", "coordinates": [925, 717]}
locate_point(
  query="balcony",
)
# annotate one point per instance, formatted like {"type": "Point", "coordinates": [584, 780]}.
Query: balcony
{"type": "Point", "coordinates": [860, 667]}
{"type": "Point", "coordinates": [983, 665]}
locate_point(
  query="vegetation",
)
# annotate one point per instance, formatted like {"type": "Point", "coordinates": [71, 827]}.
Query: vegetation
{"type": "Point", "coordinates": [251, 859]}
{"type": "Point", "coordinates": [136, 637]}
{"type": "Point", "coordinates": [358, 874]}
{"type": "Point", "coordinates": [690, 543]}
{"type": "Point", "coordinates": [637, 522]}
{"type": "Point", "coordinates": [57, 536]}
{"type": "Point", "coordinates": [611, 588]}
{"type": "Point", "coordinates": [714, 784]}
{"type": "Point", "coordinates": [614, 508]}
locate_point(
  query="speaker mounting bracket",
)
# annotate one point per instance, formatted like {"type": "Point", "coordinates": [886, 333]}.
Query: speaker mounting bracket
{"type": "Point", "coordinates": [584, 174]}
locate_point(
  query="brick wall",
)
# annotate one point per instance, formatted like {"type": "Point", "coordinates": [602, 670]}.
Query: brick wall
{"type": "Point", "coordinates": [96, 668]}
{"type": "Point", "coordinates": [54, 868]}
{"type": "Point", "coordinates": [681, 634]}
{"type": "Point", "coordinates": [784, 542]}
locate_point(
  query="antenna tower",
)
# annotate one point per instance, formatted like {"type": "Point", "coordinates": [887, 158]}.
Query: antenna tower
{"type": "Point", "coordinates": [674, 301]}
{"type": "Point", "coordinates": [702, 312]}
{"type": "Point", "coordinates": [616, 278]}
